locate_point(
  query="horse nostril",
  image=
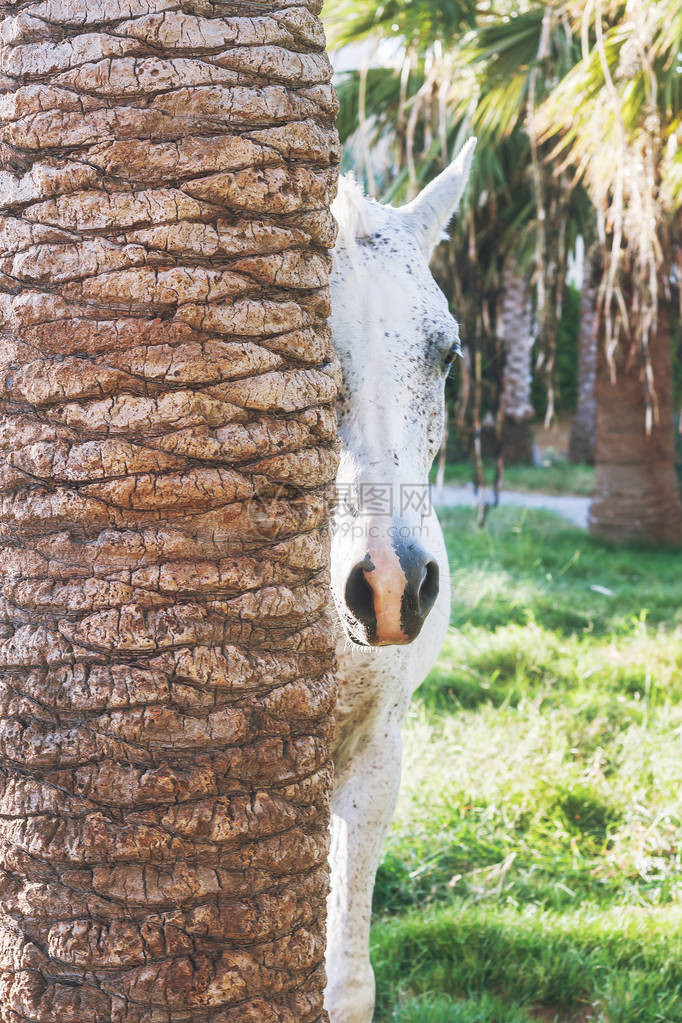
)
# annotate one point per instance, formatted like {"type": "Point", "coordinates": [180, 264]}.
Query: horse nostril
{"type": "Point", "coordinates": [393, 601]}
{"type": "Point", "coordinates": [359, 595]}
{"type": "Point", "coordinates": [429, 588]}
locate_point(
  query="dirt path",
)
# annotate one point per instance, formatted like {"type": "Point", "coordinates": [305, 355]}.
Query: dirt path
{"type": "Point", "coordinates": [575, 509]}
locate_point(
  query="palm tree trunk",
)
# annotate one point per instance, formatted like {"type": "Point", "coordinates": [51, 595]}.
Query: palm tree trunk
{"type": "Point", "coordinates": [584, 426]}
{"type": "Point", "coordinates": [167, 441]}
{"type": "Point", "coordinates": [515, 328]}
{"type": "Point", "coordinates": [637, 494]}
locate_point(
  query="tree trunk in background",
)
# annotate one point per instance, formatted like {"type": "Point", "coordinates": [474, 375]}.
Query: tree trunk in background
{"type": "Point", "coordinates": [584, 425]}
{"type": "Point", "coordinates": [637, 494]}
{"type": "Point", "coordinates": [516, 331]}
{"type": "Point", "coordinates": [167, 443]}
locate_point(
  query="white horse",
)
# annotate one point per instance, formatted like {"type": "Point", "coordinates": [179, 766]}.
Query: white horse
{"type": "Point", "coordinates": [395, 339]}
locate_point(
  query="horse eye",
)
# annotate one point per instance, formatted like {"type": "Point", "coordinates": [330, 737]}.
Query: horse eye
{"type": "Point", "coordinates": [452, 352]}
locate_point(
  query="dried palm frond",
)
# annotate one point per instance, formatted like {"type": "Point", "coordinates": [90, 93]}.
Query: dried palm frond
{"type": "Point", "coordinates": [615, 119]}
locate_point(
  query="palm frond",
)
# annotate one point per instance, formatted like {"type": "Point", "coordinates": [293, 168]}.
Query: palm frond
{"type": "Point", "coordinates": [419, 23]}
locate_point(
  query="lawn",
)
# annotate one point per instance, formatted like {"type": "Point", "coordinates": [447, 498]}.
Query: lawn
{"type": "Point", "coordinates": [533, 869]}
{"type": "Point", "coordinates": [556, 477]}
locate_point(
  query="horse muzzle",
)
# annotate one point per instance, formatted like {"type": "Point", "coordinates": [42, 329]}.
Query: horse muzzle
{"type": "Point", "coordinates": [391, 591]}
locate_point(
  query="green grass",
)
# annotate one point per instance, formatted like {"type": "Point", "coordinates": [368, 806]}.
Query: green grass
{"type": "Point", "coordinates": [534, 868]}
{"type": "Point", "coordinates": [553, 478]}
{"type": "Point", "coordinates": [443, 1009]}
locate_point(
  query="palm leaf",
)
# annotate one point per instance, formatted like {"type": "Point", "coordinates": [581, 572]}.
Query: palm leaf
{"type": "Point", "coordinates": [419, 23]}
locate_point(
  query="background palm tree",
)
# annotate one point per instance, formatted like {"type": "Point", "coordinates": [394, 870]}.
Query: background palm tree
{"type": "Point", "coordinates": [516, 330]}
{"type": "Point", "coordinates": [617, 116]}
{"type": "Point", "coordinates": [168, 438]}
{"type": "Point", "coordinates": [584, 422]}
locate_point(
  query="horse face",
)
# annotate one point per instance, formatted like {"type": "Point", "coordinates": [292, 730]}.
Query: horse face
{"type": "Point", "coordinates": [395, 339]}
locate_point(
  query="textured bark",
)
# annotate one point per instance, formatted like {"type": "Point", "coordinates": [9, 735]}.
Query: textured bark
{"type": "Point", "coordinates": [167, 443]}
{"type": "Point", "coordinates": [516, 332]}
{"type": "Point", "coordinates": [584, 426]}
{"type": "Point", "coordinates": [637, 494]}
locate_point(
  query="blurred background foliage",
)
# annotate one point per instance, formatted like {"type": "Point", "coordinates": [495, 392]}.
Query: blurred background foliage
{"type": "Point", "coordinates": [577, 108]}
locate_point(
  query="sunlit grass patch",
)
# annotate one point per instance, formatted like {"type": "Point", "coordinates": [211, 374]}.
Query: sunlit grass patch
{"type": "Point", "coordinates": [539, 828]}
{"type": "Point", "coordinates": [620, 966]}
{"type": "Point", "coordinates": [640, 668]}
{"type": "Point", "coordinates": [533, 566]}
{"type": "Point", "coordinates": [444, 1009]}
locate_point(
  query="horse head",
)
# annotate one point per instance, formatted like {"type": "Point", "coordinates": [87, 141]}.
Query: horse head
{"type": "Point", "coordinates": [396, 339]}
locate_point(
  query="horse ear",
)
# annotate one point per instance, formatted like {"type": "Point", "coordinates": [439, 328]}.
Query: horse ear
{"type": "Point", "coordinates": [433, 209]}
